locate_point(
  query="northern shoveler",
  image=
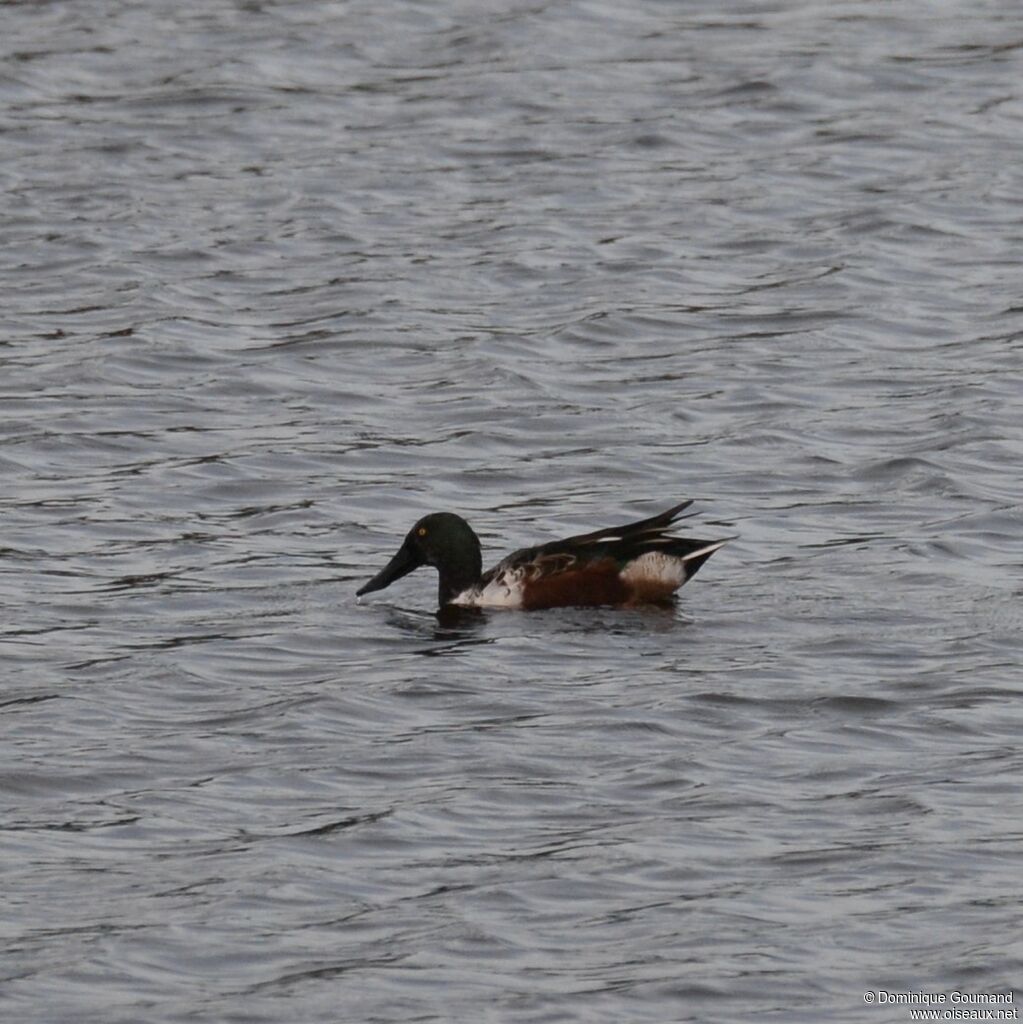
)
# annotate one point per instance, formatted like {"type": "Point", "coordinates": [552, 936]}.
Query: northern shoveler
{"type": "Point", "coordinates": [638, 563]}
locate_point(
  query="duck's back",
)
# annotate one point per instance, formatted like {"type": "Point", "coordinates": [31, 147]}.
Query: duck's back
{"type": "Point", "coordinates": [632, 564]}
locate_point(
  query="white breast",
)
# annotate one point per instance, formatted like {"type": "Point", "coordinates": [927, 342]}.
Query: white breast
{"type": "Point", "coordinates": [504, 591]}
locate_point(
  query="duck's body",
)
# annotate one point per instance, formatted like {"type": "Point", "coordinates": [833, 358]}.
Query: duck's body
{"type": "Point", "coordinates": [639, 563]}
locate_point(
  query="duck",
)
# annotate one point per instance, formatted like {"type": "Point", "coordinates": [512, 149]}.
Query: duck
{"type": "Point", "coordinates": [635, 564]}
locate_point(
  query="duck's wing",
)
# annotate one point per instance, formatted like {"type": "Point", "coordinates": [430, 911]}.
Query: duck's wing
{"type": "Point", "coordinates": [636, 563]}
{"type": "Point", "coordinates": [614, 545]}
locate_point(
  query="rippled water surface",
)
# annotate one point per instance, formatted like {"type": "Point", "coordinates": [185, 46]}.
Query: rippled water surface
{"type": "Point", "coordinates": [279, 278]}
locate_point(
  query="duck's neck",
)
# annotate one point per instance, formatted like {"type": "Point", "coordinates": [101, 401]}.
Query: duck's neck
{"type": "Point", "coordinates": [459, 573]}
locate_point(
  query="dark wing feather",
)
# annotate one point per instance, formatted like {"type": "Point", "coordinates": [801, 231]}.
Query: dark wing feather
{"type": "Point", "coordinates": [654, 525]}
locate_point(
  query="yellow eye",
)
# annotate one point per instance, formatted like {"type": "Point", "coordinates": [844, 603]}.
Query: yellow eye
{"type": "Point", "coordinates": [421, 531]}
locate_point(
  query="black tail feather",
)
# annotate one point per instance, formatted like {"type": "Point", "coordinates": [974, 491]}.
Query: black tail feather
{"type": "Point", "coordinates": [693, 562]}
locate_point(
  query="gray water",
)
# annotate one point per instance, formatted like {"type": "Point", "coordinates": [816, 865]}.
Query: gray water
{"type": "Point", "coordinates": [278, 278]}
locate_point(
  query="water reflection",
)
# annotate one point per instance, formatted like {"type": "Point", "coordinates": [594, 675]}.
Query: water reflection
{"type": "Point", "coordinates": [453, 628]}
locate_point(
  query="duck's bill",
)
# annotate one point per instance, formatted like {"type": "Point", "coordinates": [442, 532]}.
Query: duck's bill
{"type": "Point", "coordinates": [401, 565]}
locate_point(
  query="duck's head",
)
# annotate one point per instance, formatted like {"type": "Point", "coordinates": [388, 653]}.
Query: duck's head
{"type": "Point", "coordinates": [443, 540]}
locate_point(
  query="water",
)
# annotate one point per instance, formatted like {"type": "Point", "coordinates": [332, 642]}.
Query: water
{"type": "Point", "coordinates": [279, 278]}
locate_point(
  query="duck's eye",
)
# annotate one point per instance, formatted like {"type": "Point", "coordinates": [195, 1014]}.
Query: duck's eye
{"type": "Point", "coordinates": [421, 531]}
